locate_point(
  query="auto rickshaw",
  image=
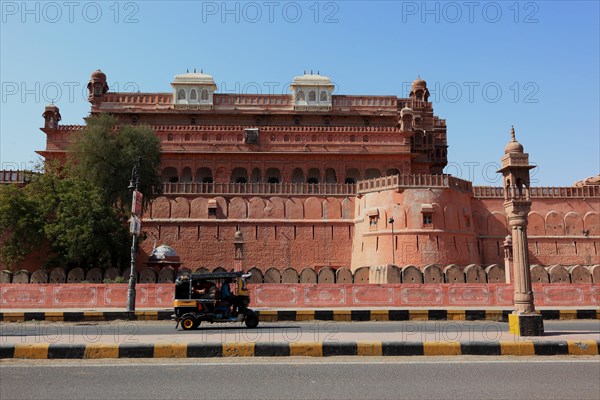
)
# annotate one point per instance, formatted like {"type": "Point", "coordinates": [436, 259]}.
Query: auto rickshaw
{"type": "Point", "coordinates": [203, 297]}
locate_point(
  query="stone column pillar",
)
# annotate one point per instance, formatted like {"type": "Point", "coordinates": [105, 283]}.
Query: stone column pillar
{"type": "Point", "coordinates": [521, 274]}
{"type": "Point", "coordinates": [517, 204]}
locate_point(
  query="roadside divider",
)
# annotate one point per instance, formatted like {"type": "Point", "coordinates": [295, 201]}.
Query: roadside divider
{"type": "Point", "coordinates": [299, 349]}
{"type": "Point", "coordinates": [305, 315]}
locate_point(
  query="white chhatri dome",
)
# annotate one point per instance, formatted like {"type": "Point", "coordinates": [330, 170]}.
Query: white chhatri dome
{"type": "Point", "coordinates": [311, 79]}
{"type": "Point", "coordinates": [194, 78]}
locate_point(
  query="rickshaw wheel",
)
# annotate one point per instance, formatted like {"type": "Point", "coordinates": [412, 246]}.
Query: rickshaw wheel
{"type": "Point", "coordinates": [251, 320]}
{"type": "Point", "coordinates": [189, 323]}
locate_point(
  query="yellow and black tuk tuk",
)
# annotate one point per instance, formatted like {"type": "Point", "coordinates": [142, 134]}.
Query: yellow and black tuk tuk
{"type": "Point", "coordinates": [209, 297]}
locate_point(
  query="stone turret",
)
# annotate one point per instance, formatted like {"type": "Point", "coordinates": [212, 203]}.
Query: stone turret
{"type": "Point", "coordinates": [51, 116]}
{"type": "Point", "coordinates": [418, 90]}
{"type": "Point", "coordinates": [97, 87]}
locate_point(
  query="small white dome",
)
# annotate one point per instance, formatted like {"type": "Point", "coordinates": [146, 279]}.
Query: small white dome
{"type": "Point", "coordinates": [312, 79]}
{"type": "Point", "coordinates": [406, 110]}
{"type": "Point", "coordinates": [162, 252]}
{"type": "Point", "coordinates": [194, 78]}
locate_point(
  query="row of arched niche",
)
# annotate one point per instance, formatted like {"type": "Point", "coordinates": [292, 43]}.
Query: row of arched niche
{"type": "Point", "coordinates": [273, 175]}
{"type": "Point", "coordinates": [472, 273]}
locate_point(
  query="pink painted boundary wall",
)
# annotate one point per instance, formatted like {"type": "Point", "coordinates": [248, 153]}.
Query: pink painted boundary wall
{"type": "Point", "coordinates": [49, 296]}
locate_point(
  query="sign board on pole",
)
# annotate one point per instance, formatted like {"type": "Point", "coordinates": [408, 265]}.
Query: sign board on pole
{"type": "Point", "coordinates": [136, 203]}
{"type": "Point", "coordinates": [135, 225]}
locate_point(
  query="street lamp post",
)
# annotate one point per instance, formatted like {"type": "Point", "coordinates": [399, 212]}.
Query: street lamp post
{"type": "Point", "coordinates": [133, 185]}
{"type": "Point", "coordinates": [391, 221]}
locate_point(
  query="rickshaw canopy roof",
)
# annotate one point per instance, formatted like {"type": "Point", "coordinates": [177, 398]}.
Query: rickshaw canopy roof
{"type": "Point", "coordinates": [211, 276]}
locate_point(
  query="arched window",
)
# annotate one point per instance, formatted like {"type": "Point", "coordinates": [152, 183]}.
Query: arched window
{"type": "Point", "coordinates": [323, 96]}
{"type": "Point", "coordinates": [181, 94]}
{"type": "Point", "coordinates": [170, 137]}
{"type": "Point", "coordinates": [187, 137]}
{"type": "Point", "coordinates": [193, 95]}
{"type": "Point", "coordinates": [239, 175]}
{"type": "Point", "coordinates": [204, 95]}
{"type": "Point", "coordinates": [353, 175]}
{"type": "Point", "coordinates": [186, 175]}
{"type": "Point", "coordinates": [330, 176]}
{"type": "Point", "coordinates": [298, 176]}
{"type": "Point", "coordinates": [169, 175]}
{"type": "Point", "coordinates": [372, 173]}
{"type": "Point", "coordinates": [312, 96]}
{"type": "Point", "coordinates": [313, 176]}
{"type": "Point", "coordinates": [301, 95]}
{"type": "Point", "coordinates": [273, 175]}
{"type": "Point", "coordinates": [418, 138]}
{"type": "Point", "coordinates": [204, 175]}
{"type": "Point", "coordinates": [256, 175]}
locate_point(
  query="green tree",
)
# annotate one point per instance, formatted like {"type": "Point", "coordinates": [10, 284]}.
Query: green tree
{"type": "Point", "coordinates": [80, 209]}
{"type": "Point", "coordinates": [105, 152]}
{"type": "Point", "coordinates": [69, 214]}
{"type": "Point", "coordinates": [82, 228]}
{"type": "Point", "coordinates": [21, 224]}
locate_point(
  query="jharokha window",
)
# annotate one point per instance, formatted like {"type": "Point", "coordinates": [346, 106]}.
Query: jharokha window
{"type": "Point", "coordinates": [373, 215]}
{"type": "Point", "coordinates": [427, 219]}
{"type": "Point", "coordinates": [427, 211]}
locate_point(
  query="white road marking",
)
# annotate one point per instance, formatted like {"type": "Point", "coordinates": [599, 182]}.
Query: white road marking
{"type": "Point", "coordinates": [124, 362]}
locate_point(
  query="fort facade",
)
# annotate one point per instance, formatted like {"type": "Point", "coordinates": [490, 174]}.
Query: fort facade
{"type": "Point", "coordinates": [315, 180]}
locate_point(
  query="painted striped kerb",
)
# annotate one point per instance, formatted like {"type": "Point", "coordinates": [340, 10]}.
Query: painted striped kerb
{"type": "Point", "coordinates": [299, 349]}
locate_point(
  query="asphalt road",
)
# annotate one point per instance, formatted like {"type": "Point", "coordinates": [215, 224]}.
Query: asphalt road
{"type": "Point", "coordinates": [339, 378]}
{"type": "Point", "coordinates": [320, 330]}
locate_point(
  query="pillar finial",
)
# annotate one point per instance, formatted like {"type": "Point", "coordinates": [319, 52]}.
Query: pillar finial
{"type": "Point", "coordinates": [512, 134]}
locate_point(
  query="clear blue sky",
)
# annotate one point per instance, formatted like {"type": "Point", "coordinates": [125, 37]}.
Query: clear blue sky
{"type": "Point", "coordinates": [488, 65]}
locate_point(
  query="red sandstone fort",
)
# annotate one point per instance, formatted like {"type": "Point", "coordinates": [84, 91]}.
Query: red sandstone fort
{"type": "Point", "coordinates": [291, 185]}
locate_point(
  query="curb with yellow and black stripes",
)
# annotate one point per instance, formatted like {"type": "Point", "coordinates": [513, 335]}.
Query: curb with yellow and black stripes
{"type": "Point", "coordinates": [301, 349]}
{"type": "Point", "coordinates": [306, 315]}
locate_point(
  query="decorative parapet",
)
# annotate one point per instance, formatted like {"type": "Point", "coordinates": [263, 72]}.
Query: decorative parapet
{"type": "Point", "coordinates": [138, 98]}
{"type": "Point", "coordinates": [259, 189]}
{"type": "Point", "coordinates": [484, 192]}
{"type": "Point", "coordinates": [18, 177]}
{"type": "Point", "coordinates": [412, 181]}
{"type": "Point", "coordinates": [224, 100]}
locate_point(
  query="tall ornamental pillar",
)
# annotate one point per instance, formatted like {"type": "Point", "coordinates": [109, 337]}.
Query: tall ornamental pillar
{"type": "Point", "coordinates": [517, 202]}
